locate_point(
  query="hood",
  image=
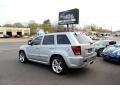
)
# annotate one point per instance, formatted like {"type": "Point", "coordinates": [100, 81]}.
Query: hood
{"type": "Point", "coordinates": [115, 52]}
{"type": "Point", "coordinates": [111, 51]}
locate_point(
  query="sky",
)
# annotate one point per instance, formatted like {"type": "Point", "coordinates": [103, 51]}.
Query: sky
{"type": "Point", "coordinates": [104, 13]}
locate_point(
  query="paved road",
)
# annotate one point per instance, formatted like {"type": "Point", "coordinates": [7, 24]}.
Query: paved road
{"type": "Point", "coordinates": [7, 46]}
{"type": "Point", "coordinates": [13, 72]}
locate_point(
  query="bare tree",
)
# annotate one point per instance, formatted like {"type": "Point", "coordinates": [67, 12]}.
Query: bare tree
{"type": "Point", "coordinates": [33, 26]}
{"type": "Point", "coordinates": [7, 25]}
{"type": "Point", "coordinates": [18, 25]}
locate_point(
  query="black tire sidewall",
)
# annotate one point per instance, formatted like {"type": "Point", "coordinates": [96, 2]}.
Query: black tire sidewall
{"type": "Point", "coordinates": [99, 52]}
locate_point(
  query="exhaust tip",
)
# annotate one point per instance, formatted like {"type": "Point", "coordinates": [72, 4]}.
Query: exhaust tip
{"type": "Point", "coordinates": [91, 62]}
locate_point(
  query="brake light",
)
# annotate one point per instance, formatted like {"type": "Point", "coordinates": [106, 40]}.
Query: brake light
{"type": "Point", "coordinates": [76, 50]}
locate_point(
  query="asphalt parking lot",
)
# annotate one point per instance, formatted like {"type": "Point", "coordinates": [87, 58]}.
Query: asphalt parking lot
{"type": "Point", "coordinates": [13, 72]}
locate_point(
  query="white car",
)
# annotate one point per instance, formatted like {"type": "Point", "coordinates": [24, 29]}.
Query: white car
{"type": "Point", "coordinates": [59, 50]}
{"type": "Point", "coordinates": [1, 35]}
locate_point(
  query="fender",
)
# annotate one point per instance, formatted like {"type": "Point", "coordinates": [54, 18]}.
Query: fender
{"type": "Point", "coordinates": [61, 53]}
{"type": "Point", "coordinates": [23, 47]}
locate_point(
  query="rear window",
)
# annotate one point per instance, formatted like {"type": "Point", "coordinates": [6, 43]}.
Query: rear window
{"type": "Point", "coordinates": [83, 39]}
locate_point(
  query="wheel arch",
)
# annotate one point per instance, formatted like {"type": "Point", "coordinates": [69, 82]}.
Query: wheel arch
{"type": "Point", "coordinates": [21, 51]}
{"type": "Point", "coordinates": [64, 65]}
{"type": "Point", "coordinates": [54, 55]}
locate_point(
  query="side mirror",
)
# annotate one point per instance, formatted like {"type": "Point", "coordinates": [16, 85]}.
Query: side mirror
{"type": "Point", "coordinates": [29, 42]}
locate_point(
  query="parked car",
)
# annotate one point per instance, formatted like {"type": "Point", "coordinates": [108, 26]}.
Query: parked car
{"type": "Point", "coordinates": [17, 36]}
{"type": "Point", "coordinates": [1, 35]}
{"type": "Point", "coordinates": [106, 38]}
{"type": "Point", "coordinates": [112, 53]}
{"type": "Point", "coordinates": [100, 45]}
{"type": "Point", "coordinates": [59, 50]}
{"type": "Point", "coordinates": [6, 36]}
{"type": "Point", "coordinates": [94, 37]}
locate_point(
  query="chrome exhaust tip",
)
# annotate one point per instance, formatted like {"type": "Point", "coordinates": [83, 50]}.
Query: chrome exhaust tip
{"type": "Point", "coordinates": [92, 62]}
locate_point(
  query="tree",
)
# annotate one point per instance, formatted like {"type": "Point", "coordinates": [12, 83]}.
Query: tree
{"type": "Point", "coordinates": [93, 27]}
{"type": "Point", "coordinates": [47, 21]}
{"type": "Point", "coordinates": [7, 25]}
{"type": "Point", "coordinates": [33, 26]}
{"type": "Point", "coordinates": [58, 28]}
{"type": "Point", "coordinates": [18, 25]}
{"type": "Point", "coordinates": [46, 26]}
{"type": "Point", "coordinates": [72, 27]}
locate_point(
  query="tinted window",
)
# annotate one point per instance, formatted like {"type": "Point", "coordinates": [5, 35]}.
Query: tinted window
{"type": "Point", "coordinates": [62, 39]}
{"type": "Point", "coordinates": [37, 41]}
{"type": "Point", "coordinates": [48, 40]}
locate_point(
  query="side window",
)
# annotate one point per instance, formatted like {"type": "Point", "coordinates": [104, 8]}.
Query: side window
{"type": "Point", "coordinates": [48, 40]}
{"type": "Point", "coordinates": [62, 39]}
{"type": "Point", "coordinates": [37, 41]}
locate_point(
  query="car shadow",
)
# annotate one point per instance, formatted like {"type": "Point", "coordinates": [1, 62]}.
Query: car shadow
{"type": "Point", "coordinates": [78, 72]}
{"type": "Point", "coordinates": [70, 73]}
{"type": "Point", "coordinates": [112, 62]}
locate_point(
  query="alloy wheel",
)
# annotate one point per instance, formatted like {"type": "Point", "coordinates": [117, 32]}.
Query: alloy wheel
{"type": "Point", "coordinates": [22, 57]}
{"type": "Point", "coordinates": [57, 66]}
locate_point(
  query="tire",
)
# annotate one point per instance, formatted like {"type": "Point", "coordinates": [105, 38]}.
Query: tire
{"type": "Point", "coordinates": [100, 53]}
{"type": "Point", "coordinates": [58, 65]}
{"type": "Point", "coordinates": [118, 60]}
{"type": "Point", "coordinates": [22, 57]}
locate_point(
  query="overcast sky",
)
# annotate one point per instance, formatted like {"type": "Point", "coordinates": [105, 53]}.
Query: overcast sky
{"type": "Point", "coordinates": [105, 13]}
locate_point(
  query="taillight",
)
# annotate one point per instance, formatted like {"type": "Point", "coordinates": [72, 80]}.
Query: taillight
{"type": "Point", "coordinates": [76, 50]}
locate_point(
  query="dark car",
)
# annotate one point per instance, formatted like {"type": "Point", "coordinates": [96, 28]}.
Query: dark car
{"type": "Point", "coordinates": [112, 53]}
{"type": "Point", "coordinates": [100, 45]}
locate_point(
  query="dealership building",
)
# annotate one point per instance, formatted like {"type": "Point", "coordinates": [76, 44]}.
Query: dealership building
{"type": "Point", "coordinates": [12, 31]}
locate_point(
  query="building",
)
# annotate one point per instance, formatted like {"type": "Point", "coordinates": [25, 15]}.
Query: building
{"type": "Point", "coordinates": [12, 31]}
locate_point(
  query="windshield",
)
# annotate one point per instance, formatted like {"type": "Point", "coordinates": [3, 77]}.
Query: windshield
{"type": "Point", "coordinates": [83, 39]}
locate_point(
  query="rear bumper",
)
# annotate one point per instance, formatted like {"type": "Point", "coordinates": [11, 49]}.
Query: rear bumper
{"type": "Point", "coordinates": [79, 62]}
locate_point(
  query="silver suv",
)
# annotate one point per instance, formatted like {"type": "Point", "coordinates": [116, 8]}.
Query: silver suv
{"type": "Point", "coordinates": [59, 50]}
